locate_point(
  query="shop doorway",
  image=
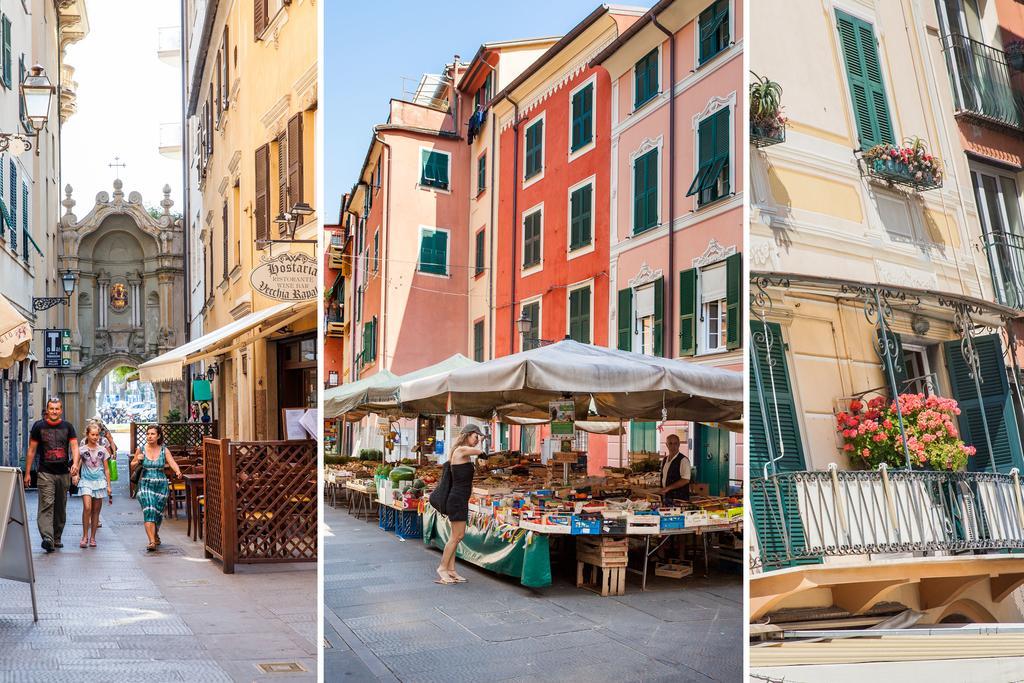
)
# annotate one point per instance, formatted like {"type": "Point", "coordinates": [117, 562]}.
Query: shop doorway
{"type": "Point", "coordinates": [296, 375]}
{"type": "Point", "coordinates": [713, 463]}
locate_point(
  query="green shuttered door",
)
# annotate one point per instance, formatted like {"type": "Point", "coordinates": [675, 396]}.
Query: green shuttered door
{"type": "Point", "coordinates": [998, 405]}
{"type": "Point", "coordinates": [864, 76]}
{"type": "Point", "coordinates": [687, 312]}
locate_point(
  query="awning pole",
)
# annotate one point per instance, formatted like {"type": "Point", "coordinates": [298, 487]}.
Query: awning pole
{"type": "Point", "coordinates": [887, 351]}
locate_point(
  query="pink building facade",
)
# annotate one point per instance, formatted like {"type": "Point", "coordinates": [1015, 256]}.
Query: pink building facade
{"type": "Point", "coordinates": [676, 223]}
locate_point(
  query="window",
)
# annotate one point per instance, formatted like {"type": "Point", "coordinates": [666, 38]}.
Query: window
{"type": "Point", "coordinates": [714, 29]}
{"type": "Point", "coordinates": [864, 77]}
{"type": "Point", "coordinates": [531, 339]}
{"type": "Point", "coordinates": [532, 231]}
{"type": "Point", "coordinates": [483, 95]}
{"type": "Point", "coordinates": [709, 307]}
{"type": "Point", "coordinates": [713, 305]}
{"type": "Point", "coordinates": [1003, 232]}
{"type": "Point", "coordinates": [579, 314]}
{"type": "Point", "coordinates": [583, 117]}
{"type": "Point", "coordinates": [370, 341]}
{"type": "Point", "coordinates": [376, 251]}
{"type": "Point", "coordinates": [225, 93]}
{"type": "Point", "coordinates": [434, 169]}
{"type": "Point", "coordinates": [5, 56]}
{"type": "Point", "coordinates": [581, 219]}
{"type": "Point", "coordinates": [534, 162]}
{"type": "Point", "coordinates": [645, 79]}
{"type": "Point", "coordinates": [478, 341]}
{"type": "Point", "coordinates": [260, 16]}
{"type": "Point", "coordinates": [481, 241]}
{"type": "Point", "coordinates": [225, 241]}
{"type": "Point", "coordinates": [641, 318]}
{"type": "Point", "coordinates": [643, 437]}
{"type": "Point", "coordinates": [645, 191]}
{"type": "Point", "coordinates": [711, 182]}
{"type": "Point", "coordinates": [433, 251]}
{"type": "Point", "coordinates": [481, 173]}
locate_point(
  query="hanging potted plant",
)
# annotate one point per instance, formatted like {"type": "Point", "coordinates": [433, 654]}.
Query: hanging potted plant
{"type": "Point", "coordinates": [1015, 55]}
{"type": "Point", "coordinates": [767, 123]}
{"type": "Point", "coordinates": [908, 164]}
{"type": "Point", "coordinates": [870, 433]}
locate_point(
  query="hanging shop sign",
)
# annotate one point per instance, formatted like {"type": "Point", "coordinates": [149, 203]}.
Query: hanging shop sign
{"type": "Point", "coordinates": [563, 417]}
{"type": "Point", "coordinates": [288, 277]}
{"type": "Point", "coordinates": [56, 348]}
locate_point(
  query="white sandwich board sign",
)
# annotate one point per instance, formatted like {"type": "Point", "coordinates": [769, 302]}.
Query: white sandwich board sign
{"type": "Point", "coordinates": [15, 546]}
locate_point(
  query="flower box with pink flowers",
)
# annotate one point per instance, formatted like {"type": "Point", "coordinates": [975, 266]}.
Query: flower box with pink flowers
{"type": "Point", "coordinates": [909, 165]}
{"type": "Point", "coordinates": [870, 433]}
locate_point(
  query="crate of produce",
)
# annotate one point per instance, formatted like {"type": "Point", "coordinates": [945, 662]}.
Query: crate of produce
{"type": "Point", "coordinates": [602, 552]}
{"type": "Point", "coordinates": [672, 522]}
{"type": "Point", "coordinates": [673, 569]}
{"type": "Point", "coordinates": [549, 523]}
{"type": "Point", "coordinates": [643, 523]}
{"type": "Point", "coordinates": [586, 525]}
{"type": "Point", "coordinates": [696, 517]}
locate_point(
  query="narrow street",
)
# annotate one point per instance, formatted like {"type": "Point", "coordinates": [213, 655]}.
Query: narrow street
{"type": "Point", "coordinates": [385, 620]}
{"type": "Point", "coordinates": [116, 612]}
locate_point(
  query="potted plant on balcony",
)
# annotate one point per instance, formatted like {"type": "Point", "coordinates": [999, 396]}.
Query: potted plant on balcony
{"type": "Point", "coordinates": [909, 164]}
{"type": "Point", "coordinates": [870, 433]}
{"type": "Point", "coordinates": [1015, 55]}
{"type": "Point", "coordinates": [767, 123]}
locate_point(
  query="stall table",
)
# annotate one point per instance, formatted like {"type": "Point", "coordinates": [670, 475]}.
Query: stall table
{"type": "Point", "coordinates": [363, 500]}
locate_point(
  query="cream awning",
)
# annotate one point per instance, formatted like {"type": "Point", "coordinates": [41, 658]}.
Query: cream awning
{"type": "Point", "coordinates": [168, 367]}
{"type": "Point", "coordinates": [15, 334]}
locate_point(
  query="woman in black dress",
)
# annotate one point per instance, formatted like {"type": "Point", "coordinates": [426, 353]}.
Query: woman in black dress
{"type": "Point", "coordinates": [455, 503]}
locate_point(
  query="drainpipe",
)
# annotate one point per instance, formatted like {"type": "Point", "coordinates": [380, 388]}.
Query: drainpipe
{"type": "Point", "coordinates": [185, 204]}
{"type": "Point", "coordinates": [385, 226]}
{"type": "Point", "coordinates": [670, 343]}
{"type": "Point", "coordinates": [494, 231]}
{"type": "Point", "coordinates": [515, 220]}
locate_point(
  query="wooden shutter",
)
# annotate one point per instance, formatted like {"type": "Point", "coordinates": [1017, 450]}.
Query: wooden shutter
{"type": "Point", "coordinates": [480, 252]}
{"type": "Point", "coordinates": [780, 409]}
{"type": "Point", "coordinates": [625, 319]}
{"type": "Point", "coordinates": [5, 29]}
{"type": "Point", "coordinates": [733, 294]}
{"type": "Point", "coordinates": [262, 195]}
{"type": "Point", "coordinates": [260, 18]}
{"type": "Point", "coordinates": [226, 50]}
{"type": "Point", "coordinates": [659, 317]}
{"type": "Point", "coordinates": [688, 312]}
{"type": "Point", "coordinates": [219, 99]}
{"type": "Point", "coordinates": [864, 77]}
{"type": "Point", "coordinates": [639, 206]}
{"type": "Point", "coordinates": [899, 367]}
{"type": "Point", "coordinates": [295, 140]}
{"type": "Point", "coordinates": [282, 174]}
{"type": "Point", "coordinates": [995, 401]}
{"type": "Point", "coordinates": [226, 231]}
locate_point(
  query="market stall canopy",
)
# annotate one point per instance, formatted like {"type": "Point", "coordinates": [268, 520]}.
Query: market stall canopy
{"type": "Point", "coordinates": [378, 393]}
{"type": "Point", "coordinates": [623, 385]}
{"type": "Point", "coordinates": [15, 334]}
{"type": "Point", "coordinates": [616, 428]}
{"type": "Point", "coordinates": [168, 367]}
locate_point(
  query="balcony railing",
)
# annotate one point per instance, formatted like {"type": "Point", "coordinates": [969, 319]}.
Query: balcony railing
{"type": "Point", "coordinates": [984, 85]}
{"type": "Point", "coordinates": [802, 517]}
{"type": "Point", "coordinates": [1006, 261]}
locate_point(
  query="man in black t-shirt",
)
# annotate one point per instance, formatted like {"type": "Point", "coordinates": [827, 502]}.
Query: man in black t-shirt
{"type": "Point", "coordinates": [57, 444]}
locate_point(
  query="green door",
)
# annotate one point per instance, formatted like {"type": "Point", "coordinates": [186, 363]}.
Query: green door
{"type": "Point", "coordinates": [713, 464]}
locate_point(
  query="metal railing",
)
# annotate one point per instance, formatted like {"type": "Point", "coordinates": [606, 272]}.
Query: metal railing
{"type": "Point", "coordinates": [983, 82]}
{"type": "Point", "coordinates": [1006, 262]}
{"type": "Point", "coordinates": [802, 517]}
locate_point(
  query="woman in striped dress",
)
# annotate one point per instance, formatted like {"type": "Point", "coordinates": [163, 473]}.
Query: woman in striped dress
{"type": "Point", "coordinates": [153, 486]}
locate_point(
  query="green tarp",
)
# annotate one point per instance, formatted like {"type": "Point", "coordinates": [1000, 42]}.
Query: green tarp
{"type": "Point", "coordinates": [530, 562]}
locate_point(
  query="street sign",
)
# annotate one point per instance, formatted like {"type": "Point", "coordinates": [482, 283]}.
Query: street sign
{"type": "Point", "coordinates": [56, 348]}
{"type": "Point", "coordinates": [15, 547]}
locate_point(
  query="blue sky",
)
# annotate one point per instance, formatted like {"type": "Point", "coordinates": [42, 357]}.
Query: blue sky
{"type": "Point", "coordinates": [370, 46]}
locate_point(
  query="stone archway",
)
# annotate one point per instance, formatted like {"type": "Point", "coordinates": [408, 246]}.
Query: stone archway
{"type": "Point", "coordinates": [127, 307]}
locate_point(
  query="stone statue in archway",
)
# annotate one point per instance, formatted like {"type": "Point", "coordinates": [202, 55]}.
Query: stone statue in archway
{"type": "Point", "coordinates": [128, 304]}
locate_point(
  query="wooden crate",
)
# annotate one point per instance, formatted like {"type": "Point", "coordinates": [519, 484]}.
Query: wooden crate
{"type": "Point", "coordinates": [673, 569]}
{"type": "Point", "coordinates": [602, 552]}
{"type": "Point", "coordinates": [603, 580]}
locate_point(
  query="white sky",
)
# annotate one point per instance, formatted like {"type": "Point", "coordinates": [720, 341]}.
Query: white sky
{"type": "Point", "coordinates": [124, 93]}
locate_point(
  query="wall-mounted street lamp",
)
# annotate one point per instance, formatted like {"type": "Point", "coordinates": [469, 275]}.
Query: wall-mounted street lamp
{"type": "Point", "coordinates": [524, 324]}
{"type": "Point", "coordinates": [288, 223]}
{"type": "Point", "coordinates": [67, 281]}
{"type": "Point", "coordinates": [36, 94]}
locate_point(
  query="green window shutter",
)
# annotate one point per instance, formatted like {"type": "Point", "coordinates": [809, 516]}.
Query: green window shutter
{"type": "Point", "coordinates": [659, 317]}
{"type": "Point", "coordinates": [534, 149]}
{"type": "Point", "coordinates": [733, 294]}
{"type": "Point", "coordinates": [625, 318]}
{"type": "Point", "coordinates": [5, 30]}
{"type": "Point", "coordinates": [787, 446]}
{"type": "Point", "coordinates": [481, 173]}
{"type": "Point", "coordinates": [434, 252]}
{"type": "Point", "coordinates": [26, 236]}
{"type": "Point", "coordinates": [376, 251]}
{"type": "Point", "coordinates": [688, 312]}
{"type": "Point", "coordinates": [864, 77]}
{"type": "Point", "coordinates": [531, 239]}
{"type": "Point", "coordinates": [13, 180]}
{"type": "Point", "coordinates": [478, 341]}
{"type": "Point", "coordinates": [580, 219]}
{"type": "Point", "coordinates": [899, 367]}
{"type": "Point", "coordinates": [645, 79]}
{"type": "Point", "coordinates": [645, 191]}
{"type": "Point", "coordinates": [373, 339]}
{"type": "Point", "coordinates": [995, 401]}
{"type": "Point", "coordinates": [711, 182]}
{"type": "Point", "coordinates": [480, 252]}
{"type": "Point", "coordinates": [583, 117]}
{"type": "Point", "coordinates": [579, 315]}
{"type": "Point", "coordinates": [714, 30]}
{"type": "Point", "coordinates": [434, 169]}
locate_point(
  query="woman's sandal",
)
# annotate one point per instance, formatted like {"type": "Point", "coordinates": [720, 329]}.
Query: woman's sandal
{"type": "Point", "coordinates": [151, 547]}
{"type": "Point", "coordinates": [83, 544]}
{"type": "Point", "coordinates": [456, 578]}
{"type": "Point", "coordinates": [92, 543]}
{"type": "Point", "coordinates": [446, 582]}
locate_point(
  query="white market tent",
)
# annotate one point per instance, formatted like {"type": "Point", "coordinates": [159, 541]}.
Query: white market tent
{"type": "Point", "coordinates": [621, 385]}
{"type": "Point", "coordinates": [378, 393]}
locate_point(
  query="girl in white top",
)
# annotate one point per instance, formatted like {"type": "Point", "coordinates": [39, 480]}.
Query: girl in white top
{"type": "Point", "coordinates": [93, 483]}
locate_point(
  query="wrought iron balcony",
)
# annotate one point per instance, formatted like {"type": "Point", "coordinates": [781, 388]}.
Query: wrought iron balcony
{"type": "Point", "coordinates": [802, 517]}
{"type": "Point", "coordinates": [985, 87]}
{"type": "Point", "coordinates": [1006, 262]}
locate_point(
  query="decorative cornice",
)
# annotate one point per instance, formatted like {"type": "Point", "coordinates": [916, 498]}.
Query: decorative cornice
{"type": "Point", "coordinates": [645, 276]}
{"type": "Point", "coordinates": [713, 254]}
{"type": "Point", "coordinates": [714, 104]}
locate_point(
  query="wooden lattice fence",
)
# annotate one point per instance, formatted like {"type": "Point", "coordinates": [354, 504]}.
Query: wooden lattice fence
{"type": "Point", "coordinates": [179, 436]}
{"type": "Point", "coordinates": [261, 501]}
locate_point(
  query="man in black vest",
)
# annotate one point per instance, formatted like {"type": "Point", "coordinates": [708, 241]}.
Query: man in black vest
{"type": "Point", "coordinates": [675, 473]}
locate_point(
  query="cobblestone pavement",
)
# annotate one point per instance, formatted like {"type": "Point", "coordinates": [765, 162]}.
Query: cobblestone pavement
{"type": "Point", "coordinates": [116, 612]}
{"type": "Point", "coordinates": [385, 620]}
